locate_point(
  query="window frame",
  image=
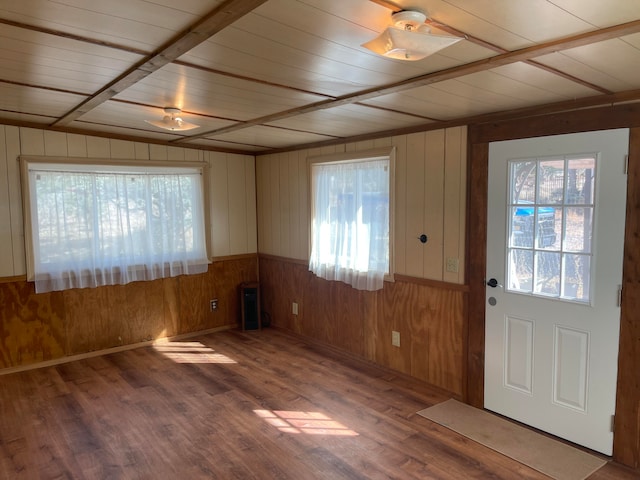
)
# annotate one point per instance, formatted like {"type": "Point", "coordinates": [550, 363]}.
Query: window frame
{"type": "Point", "coordinates": [131, 165]}
{"type": "Point", "coordinates": [356, 157]}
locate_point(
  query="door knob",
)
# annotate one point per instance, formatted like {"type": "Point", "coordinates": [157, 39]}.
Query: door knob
{"type": "Point", "coordinates": [493, 283]}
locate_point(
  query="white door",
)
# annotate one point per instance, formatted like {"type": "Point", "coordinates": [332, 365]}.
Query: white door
{"type": "Point", "coordinates": [555, 234]}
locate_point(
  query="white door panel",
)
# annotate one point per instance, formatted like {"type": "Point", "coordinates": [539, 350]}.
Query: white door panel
{"type": "Point", "coordinates": [554, 246]}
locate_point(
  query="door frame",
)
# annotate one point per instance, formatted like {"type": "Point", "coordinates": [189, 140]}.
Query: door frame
{"type": "Point", "coordinates": [625, 447]}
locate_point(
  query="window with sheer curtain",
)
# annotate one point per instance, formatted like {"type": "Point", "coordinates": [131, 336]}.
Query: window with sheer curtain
{"type": "Point", "coordinates": [91, 225]}
{"type": "Point", "coordinates": [351, 221]}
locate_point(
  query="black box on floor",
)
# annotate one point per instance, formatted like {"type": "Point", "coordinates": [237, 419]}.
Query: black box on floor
{"type": "Point", "coordinates": [250, 306]}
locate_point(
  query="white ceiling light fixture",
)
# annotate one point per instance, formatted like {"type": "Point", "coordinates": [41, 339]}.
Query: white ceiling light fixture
{"type": "Point", "coordinates": [172, 121]}
{"type": "Point", "coordinates": [409, 38]}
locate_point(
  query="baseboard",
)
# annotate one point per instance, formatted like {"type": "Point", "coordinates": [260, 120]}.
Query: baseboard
{"type": "Point", "coordinates": [107, 351]}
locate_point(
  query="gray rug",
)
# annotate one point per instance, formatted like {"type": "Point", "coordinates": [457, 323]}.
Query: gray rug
{"type": "Point", "coordinates": [546, 455]}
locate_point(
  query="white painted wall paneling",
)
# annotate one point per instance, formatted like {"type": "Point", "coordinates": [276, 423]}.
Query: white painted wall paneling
{"type": "Point", "coordinates": [430, 198]}
{"type": "Point", "coordinates": [232, 184]}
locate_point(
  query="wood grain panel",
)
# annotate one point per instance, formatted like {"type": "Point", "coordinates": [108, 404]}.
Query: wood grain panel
{"type": "Point", "coordinates": [122, 149]}
{"type": "Point", "coordinates": [251, 215]}
{"type": "Point", "coordinates": [31, 326]}
{"type": "Point", "coordinates": [445, 323]}
{"type": "Point", "coordinates": [295, 227]}
{"type": "Point", "coordinates": [55, 144]}
{"type": "Point", "coordinates": [221, 282]}
{"type": "Point", "coordinates": [455, 183]}
{"type": "Point", "coordinates": [476, 268]}
{"type": "Point", "coordinates": [176, 153]}
{"type": "Point", "coordinates": [414, 189]}
{"type": "Point", "coordinates": [284, 206]}
{"type": "Point", "coordinates": [433, 207]}
{"type": "Point", "coordinates": [590, 119]}
{"type": "Point", "coordinates": [158, 152]}
{"type": "Point", "coordinates": [48, 326]}
{"type": "Point", "coordinates": [98, 147]}
{"type": "Point", "coordinates": [32, 141]}
{"type": "Point", "coordinates": [6, 254]}
{"type": "Point", "coordinates": [402, 311]}
{"type": "Point", "coordinates": [430, 320]}
{"type": "Point", "coordinates": [275, 227]}
{"type": "Point", "coordinates": [88, 320]}
{"type": "Point", "coordinates": [626, 445]}
{"type": "Point", "coordinates": [195, 293]}
{"type": "Point", "coordinates": [15, 200]}
{"type": "Point", "coordinates": [237, 206]}
{"type": "Point", "coordinates": [219, 204]}
{"type": "Point", "coordinates": [263, 207]}
{"type": "Point", "coordinates": [400, 222]}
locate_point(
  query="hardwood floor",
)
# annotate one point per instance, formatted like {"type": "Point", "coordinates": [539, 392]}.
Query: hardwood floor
{"type": "Point", "coordinates": [233, 405]}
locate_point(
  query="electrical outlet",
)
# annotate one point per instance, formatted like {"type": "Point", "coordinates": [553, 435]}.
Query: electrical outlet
{"type": "Point", "coordinates": [452, 265]}
{"type": "Point", "coordinates": [294, 308]}
{"type": "Point", "coordinates": [213, 304]}
{"type": "Point", "coordinates": [395, 338]}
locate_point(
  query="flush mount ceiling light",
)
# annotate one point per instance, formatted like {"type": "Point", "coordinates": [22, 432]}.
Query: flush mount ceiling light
{"type": "Point", "coordinates": [172, 121]}
{"type": "Point", "coordinates": [409, 38]}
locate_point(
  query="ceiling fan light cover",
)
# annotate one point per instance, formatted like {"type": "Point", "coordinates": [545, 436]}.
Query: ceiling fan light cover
{"type": "Point", "coordinates": [409, 45]}
{"type": "Point", "coordinates": [172, 121]}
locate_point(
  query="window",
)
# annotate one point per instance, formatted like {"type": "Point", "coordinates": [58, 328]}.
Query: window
{"type": "Point", "coordinates": [90, 224]}
{"type": "Point", "coordinates": [350, 218]}
{"type": "Point", "coordinates": [551, 201]}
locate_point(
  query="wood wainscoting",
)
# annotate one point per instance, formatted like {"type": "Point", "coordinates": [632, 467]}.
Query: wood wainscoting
{"type": "Point", "coordinates": [429, 315]}
{"type": "Point", "coordinates": [48, 326]}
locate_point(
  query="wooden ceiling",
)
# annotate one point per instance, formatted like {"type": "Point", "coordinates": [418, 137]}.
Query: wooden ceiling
{"type": "Point", "coordinates": [262, 76]}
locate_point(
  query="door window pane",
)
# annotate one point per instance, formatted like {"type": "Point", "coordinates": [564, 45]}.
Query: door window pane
{"type": "Point", "coordinates": [578, 229]}
{"type": "Point", "coordinates": [580, 181]}
{"type": "Point", "coordinates": [547, 274]}
{"type": "Point", "coordinates": [551, 181]}
{"type": "Point", "coordinates": [550, 227]}
{"type": "Point", "coordinates": [520, 274]}
{"type": "Point", "coordinates": [576, 277]}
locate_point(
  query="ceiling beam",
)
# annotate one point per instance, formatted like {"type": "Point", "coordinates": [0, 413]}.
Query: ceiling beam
{"type": "Point", "coordinates": [500, 50]}
{"type": "Point", "coordinates": [219, 18]}
{"type": "Point", "coordinates": [615, 99]}
{"type": "Point", "coordinates": [507, 58]}
{"type": "Point", "coordinates": [490, 46]}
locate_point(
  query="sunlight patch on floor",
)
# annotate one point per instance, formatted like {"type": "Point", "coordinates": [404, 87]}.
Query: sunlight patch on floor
{"type": "Point", "coordinates": [191, 352]}
{"type": "Point", "coordinates": [311, 423]}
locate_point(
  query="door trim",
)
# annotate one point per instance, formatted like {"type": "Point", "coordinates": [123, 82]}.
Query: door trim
{"type": "Point", "coordinates": [627, 430]}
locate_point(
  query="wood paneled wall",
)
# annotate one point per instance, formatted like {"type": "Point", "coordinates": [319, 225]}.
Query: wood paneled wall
{"type": "Point", "coordinates": [232, 186]}
{"type": "Point", "coordinates": [47, 326]}
{"type": "Point", "coordinates": [39, 327]}
{"type": "Point", "coordinates": [429, 317]}
{"type": "Point", "coordinates": [430, 198]}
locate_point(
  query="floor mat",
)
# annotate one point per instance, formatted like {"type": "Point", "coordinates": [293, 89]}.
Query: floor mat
{"type": "Point", "coordinates": [544, 454]}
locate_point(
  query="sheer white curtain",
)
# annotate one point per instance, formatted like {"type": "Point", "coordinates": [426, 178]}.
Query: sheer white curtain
{"type": "Point", "coordinates": [350, 222]}
{"type": "Point", "coordinates": [92, 228]}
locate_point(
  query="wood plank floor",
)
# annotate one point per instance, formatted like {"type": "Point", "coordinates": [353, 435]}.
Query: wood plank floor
{"type": "Point", "coordinates": [233, 405]}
